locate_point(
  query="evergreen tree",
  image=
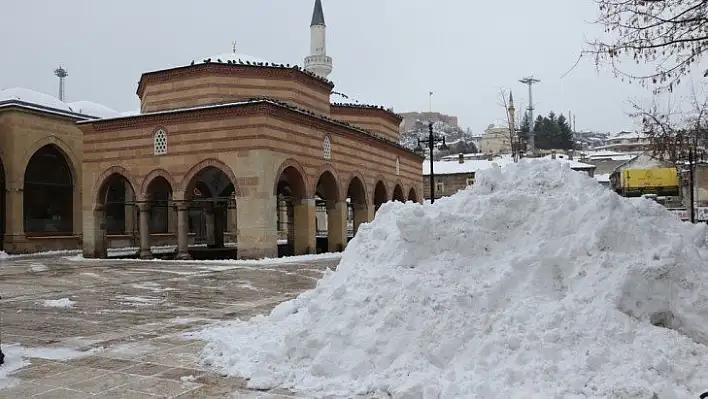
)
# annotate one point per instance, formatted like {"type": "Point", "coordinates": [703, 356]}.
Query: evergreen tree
{"type": "Point", "coordinates": [525, 127]}
{"type": "Point", "coordinates": [566, 140]}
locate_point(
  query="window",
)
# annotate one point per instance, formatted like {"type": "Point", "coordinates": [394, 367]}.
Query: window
{"type": "Point", "coordinates": [398, 166]}
{"type": "Point", "coordinates": [439, 187]}
{"type": "Point", "coordinates": [160, 142]}
{"type": "Point", "coordinates": [327, 148]}
{"type": "Point", "coordinates": [470, 181]}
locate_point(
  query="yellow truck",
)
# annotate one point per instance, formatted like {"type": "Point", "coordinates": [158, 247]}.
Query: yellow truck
{"type": "Point", "coordinates": [637, 182]}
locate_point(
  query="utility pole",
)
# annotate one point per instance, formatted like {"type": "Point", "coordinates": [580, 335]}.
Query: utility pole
{"type": "Point", "coordinates": [61, 74]}
{"type": "Point", "coordinates": [530, 81]}
{"type": "Point", "coordinates": [691, 184]}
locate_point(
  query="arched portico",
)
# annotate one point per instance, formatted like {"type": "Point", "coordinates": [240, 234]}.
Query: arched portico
{"type": "Point", "coordinates": [114, 212]}
{"type": "Point", "coordinates": [295, 224]}
{"type": "Point", "coordinates": [358, 205]}
{"type": "Point", "coordinates": [331, 213]}
{"type": "Point", "coordinates": [398, 194]}
{"type": "Point", "coordinates": [380, 195]}
{"type": "Point", "coordinates": [412, 195]}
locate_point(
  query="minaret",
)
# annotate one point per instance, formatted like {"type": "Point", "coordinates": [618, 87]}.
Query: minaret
{"type": "Point", "coordinates": [512, 124]}
{"type": "Point", "coordinates": [318, 62]}
{"type": "Point", "coordinates": [512, 114]}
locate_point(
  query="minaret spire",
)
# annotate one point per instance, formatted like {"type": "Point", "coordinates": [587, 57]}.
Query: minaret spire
{"type": "Point", "coordinates": [318, 14]}
{"type": "Point", "coordinates": [318, 62]}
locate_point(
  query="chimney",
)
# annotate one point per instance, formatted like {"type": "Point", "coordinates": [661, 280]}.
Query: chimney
{"type": "Point", "coordinates": [553, 154]}
{"type": "Point", "coordinates": [461, 158]}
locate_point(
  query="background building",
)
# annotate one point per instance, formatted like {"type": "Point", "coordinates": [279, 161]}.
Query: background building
{"type": "Point", "coordinates": [229, 152]}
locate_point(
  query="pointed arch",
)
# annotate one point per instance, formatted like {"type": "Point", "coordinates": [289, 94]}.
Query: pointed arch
{"type": "Point", "coordinates": [360, 177]}
{"type": "Point", "coordinates": [154, 174]}
{"type": "Point", "coordinates": [64, 149]}
{"type": "Point", "coordinates": [397, 194]}
{"type": "Point", "coordinates": [302, 175]}
{"type": "Point", "coordinates": [323, 171]}
{"type": "Point", "coordinates": [100, 187]}
{"type": "Point", "coordinates": [412, 195]}
{"type": "Point", "coordinates": [187, 182]}
{"type": "Point", "coordinates": [379, 184]}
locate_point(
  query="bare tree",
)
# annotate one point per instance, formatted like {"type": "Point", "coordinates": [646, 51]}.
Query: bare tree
{"type": "Point", "coordinates": [672, 131]}
{"type": "Point", "coordinates": [669, 36]}
{"type": "Point", "coordinates": [503, 95]}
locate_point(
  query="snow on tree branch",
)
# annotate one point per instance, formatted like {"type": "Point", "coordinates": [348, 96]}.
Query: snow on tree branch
{"type": "Point", "coordinates": [669, 35]}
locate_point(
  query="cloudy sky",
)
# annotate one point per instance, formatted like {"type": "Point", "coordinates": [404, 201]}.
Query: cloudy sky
{"type": "Point", "coordinates": [389, 52]}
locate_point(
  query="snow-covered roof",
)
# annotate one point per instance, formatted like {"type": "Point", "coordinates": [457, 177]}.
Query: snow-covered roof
{"type": "Point", "coordinates": [609, 155]}
{"type": "Point", "coordinates": [628, 135]}
{"type": "Point", "coordinates": [44, 102]}
{"type": "Point", "coordinates": [452, 167]}
{"type": "Point", "coordinates": [93, 109]}
{"type": "Point", "coordinates": [604, 178]}
{"type": "Point", "coordinates": [469, 166]}
{"type": "Point", "coordinates": [34, 97]}
{"type": "Point", "coordinates": [235, 57]}
{"type": "Point", "coordinates": [498, 124]}
{"type": "Point", "coordinates": [573, 163]}
{"type": "Point", "coordinates": [130, 113]}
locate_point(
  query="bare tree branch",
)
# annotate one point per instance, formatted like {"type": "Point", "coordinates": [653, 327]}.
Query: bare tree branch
{"type": "Point", "coordinates": [669, 35]}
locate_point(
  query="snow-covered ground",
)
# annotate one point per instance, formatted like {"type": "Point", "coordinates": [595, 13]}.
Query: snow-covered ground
{"type": "Point", "coordinates": [65, 303]}
{"type": "Point", "coordinates": [536, 282]}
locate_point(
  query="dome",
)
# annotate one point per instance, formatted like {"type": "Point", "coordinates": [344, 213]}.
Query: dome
{"type": "Point", "coordinates": [93, 109]}
{"type": "Point", "coordinates": [34, 97]}
{"type": "Point", "coordinates": [498, 124]}
{"type": "Point", "coordinates": [232, 57]}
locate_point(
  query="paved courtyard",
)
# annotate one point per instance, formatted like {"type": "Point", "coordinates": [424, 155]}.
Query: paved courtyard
{"type": "Point", "coordinates": [121, 337]}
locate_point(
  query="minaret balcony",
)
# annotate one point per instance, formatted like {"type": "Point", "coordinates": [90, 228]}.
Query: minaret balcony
{"type": "Point", "coordinates": [318, 60]}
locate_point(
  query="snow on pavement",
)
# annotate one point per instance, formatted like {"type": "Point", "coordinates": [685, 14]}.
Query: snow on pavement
{"type": "Point", "coordinates": [535, 282]}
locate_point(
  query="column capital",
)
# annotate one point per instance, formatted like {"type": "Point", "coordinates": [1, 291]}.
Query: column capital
{"type": "Point", "coordinates": [144, 207]}
{"type": "Point", "coordinates": [182, 206]}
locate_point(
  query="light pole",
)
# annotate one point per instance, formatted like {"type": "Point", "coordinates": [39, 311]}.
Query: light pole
{"type": "Point", "coordinates": [432, 139]}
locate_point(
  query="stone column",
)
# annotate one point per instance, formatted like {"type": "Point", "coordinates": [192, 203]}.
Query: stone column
{"type": "Point", "coordinates": [172, 218]}
{"type": "Point", "coordinates": [182, 211]}
{"type": "Point", "coordinates": [94, 245]}
{"type": "Point", "coordinates": [305, 216]}
{"type": "Point", "coordinates": [145, 252]}
{"type": "Point", "coordinates": [209, 221]}
{"type": "Point", "coordinates": [14, 216]}
{"type": "Point", "coordinates": [336, 226]}
{"type": "Point", "coordinates": [129, 210]}
{"type": "Point", "coordinates": [361, 215]}
{"type": "Point", "coordinates": [232, 225]}
{"type": "Point", "coordinates": [257, 235]}
{"type": "Point", "coordinates": [220, 224]}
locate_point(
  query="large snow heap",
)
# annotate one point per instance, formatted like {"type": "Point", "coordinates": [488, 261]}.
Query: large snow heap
{"type": "Point", "coordinates": [535, 282]}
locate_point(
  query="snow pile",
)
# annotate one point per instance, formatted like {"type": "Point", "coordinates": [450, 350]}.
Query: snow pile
{"type": "Point", "coordinates": [18, 357]}
{"type": "Point", "coordinates": [65, 303]}
{"type": "Point", "coordinates": [535, 282]}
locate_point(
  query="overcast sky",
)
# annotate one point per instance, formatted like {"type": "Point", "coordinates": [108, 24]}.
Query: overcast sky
{"type": "Point", "coordinates": [389, 52]}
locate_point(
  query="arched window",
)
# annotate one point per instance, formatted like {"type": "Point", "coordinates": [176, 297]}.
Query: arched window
{"type": "Point", "coordinates": [48, 193]}
{"type": "Point", "coordinates": [327, 148]}
{"type": "Point", "coordinates": [398, 166]}
{"type": "Point", "coordinates": [160, 142]}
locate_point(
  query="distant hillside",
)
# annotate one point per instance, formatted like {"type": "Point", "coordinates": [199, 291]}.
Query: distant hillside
{"type": "Point", "coordinates": [586, 140]}
{"type": "Point", "coordinates": [458, 139]}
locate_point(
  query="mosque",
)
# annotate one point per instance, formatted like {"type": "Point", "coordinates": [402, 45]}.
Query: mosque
{"type": "Point", "coordinates": [230, 154]}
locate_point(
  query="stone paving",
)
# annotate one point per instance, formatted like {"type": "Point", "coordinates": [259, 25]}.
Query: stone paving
{"type": "Point", "coordinates": [130, 316]}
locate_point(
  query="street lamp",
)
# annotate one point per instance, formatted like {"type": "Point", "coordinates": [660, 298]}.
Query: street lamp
{"type": "Point", "coordinates": [432, 139]}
